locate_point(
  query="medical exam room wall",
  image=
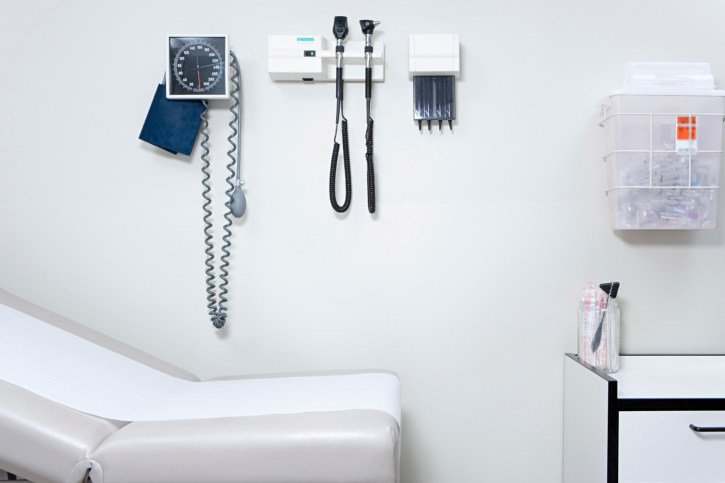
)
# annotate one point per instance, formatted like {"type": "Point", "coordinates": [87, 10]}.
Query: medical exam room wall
{"type": "Point", "coordinates": [466, 281]}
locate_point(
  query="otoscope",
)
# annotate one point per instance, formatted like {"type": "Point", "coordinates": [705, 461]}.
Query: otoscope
{"type": "Point", "coordinates": [367, 27]}
{"type": "Point", "coordinates": [340, 30]}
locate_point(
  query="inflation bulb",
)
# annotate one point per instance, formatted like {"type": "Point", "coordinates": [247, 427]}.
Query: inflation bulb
{"type": "Point", "coordinates": [239, 201]}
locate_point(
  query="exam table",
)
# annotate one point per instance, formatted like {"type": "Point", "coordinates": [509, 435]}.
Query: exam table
{"type": "Point", "coordinates": [45, 441]}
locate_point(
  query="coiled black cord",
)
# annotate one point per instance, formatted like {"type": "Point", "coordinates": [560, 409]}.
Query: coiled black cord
{"type": "Point", "coordinates": [369, 159]}
{"type": "Point", "coordinates": [346, 164]}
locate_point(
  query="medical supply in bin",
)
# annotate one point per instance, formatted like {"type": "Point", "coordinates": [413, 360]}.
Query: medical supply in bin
{"type": "Point", "coordinates": [598, 324]}
{"type": "Point", "coordinates": [663, 143]}
{"type": "Point", "coordinates": [434, 64]}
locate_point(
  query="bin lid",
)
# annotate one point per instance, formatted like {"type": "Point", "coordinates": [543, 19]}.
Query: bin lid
{"type": "Point", "coordinates": [667, 79]}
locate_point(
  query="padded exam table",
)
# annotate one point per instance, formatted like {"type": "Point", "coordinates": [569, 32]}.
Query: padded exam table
{"type": "Point", "coordinates": [330, 427]}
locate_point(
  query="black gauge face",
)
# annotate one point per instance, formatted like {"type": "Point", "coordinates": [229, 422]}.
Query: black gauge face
{"type": "Point", "coordinates": [197, 66]}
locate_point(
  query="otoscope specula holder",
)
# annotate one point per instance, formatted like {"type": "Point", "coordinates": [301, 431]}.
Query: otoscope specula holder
{"type": "Point", "coordinates": [434, 65]}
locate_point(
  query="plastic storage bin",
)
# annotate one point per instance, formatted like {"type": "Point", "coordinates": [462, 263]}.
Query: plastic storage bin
{"type": "Point", "coordinates": [663, 142]}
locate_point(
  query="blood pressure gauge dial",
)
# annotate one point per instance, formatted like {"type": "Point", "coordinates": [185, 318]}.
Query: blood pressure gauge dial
{"type": "Point", "coordinates": [197, 67]}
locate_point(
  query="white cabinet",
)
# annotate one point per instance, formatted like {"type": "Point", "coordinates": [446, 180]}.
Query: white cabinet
{"type": "Point", "coordinates": [656, 446]}
{"type": "Point", "coordinates": [635, 426]}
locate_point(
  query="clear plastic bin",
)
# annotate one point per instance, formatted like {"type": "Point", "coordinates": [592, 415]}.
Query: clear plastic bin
{"type": "Point", "coordinates": [663, 142]}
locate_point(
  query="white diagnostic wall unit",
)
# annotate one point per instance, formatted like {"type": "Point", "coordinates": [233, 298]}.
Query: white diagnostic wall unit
{"type": "Point", "coordinates": [434, 64]}
{"type": "Point", "coordinates": [312, 58]}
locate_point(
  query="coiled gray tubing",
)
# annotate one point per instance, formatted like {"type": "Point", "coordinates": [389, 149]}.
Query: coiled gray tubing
{"type": "Point", "coordinates": [217, 312]}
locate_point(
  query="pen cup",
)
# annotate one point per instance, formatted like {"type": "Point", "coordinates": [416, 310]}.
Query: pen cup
{"type": "Point", "coordinates": [589, 316]}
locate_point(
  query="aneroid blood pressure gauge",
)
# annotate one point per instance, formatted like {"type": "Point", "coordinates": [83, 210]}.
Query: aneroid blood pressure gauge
{"type": "Point", "coordinates": [197, 67]}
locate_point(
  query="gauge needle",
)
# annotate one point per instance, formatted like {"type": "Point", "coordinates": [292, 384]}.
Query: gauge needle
{"type": "Point", "coordinates": [201, 67]}
{"type": "Point", "coordinates": [198, 77]}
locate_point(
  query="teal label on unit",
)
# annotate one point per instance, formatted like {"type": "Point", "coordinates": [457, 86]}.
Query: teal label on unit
{"type": "Point", "coordinates": [305, 39]}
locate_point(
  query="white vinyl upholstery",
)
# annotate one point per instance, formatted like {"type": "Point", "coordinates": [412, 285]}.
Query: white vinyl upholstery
{"type": "Point", "coordinates": [47, 442]}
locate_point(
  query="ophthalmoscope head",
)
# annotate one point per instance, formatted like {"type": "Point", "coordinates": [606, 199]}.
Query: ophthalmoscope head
{"type": "Point", "coordinates": [339, 28]}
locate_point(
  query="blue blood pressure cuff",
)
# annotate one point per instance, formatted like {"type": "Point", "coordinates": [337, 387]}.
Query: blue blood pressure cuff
{"type": "Point", "coordinates": [172, 125]}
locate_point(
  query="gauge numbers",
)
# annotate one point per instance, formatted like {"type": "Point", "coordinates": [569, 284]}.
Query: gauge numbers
{"type": "Point", "coordinates": [201, 59]}
{"type": "Point", "coordinates": [197, 67]}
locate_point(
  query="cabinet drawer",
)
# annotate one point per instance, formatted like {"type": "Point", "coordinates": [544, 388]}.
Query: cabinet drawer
{"type": "Point", "coordinates": [659, 446]}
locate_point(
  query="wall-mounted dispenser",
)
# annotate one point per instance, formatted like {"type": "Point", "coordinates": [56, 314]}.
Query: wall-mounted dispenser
{"type": "Point", "coordinates": [434, 64]}
{"type": "Point", "coordinates": [312, 58]}
{"type": "Point", "coordinates": [663, 141]}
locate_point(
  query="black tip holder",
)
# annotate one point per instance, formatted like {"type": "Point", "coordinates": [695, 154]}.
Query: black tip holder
{"type": "Point", "coordinates": [434, 98]}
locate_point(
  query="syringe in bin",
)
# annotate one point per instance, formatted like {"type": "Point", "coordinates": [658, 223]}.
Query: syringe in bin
{"type": "Point", "coordinates": [668, 171]}
{"type": "Point", "coordinates": [677, 200]}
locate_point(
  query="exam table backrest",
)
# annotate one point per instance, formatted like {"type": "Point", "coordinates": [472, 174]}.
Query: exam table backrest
{"type": "Point", "coordinates": [43, 441]}
{"type": "Point", "coordinates": [43, 435]}
{"type": "Point", "coordinates": [10, 300]}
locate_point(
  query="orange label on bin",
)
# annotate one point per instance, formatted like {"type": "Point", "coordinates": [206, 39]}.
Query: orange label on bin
{"type": "Point", "coordinates": [686, 135]}
{"type": "Point", "coordinates": [686, 130]}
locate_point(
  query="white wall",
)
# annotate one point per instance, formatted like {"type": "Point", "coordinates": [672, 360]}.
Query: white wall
{"type": "Point", "coordinates": [466, 281]}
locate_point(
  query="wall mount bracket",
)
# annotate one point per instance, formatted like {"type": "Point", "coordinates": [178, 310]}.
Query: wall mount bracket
{"type": "Point", "coordinates": [312, 58]}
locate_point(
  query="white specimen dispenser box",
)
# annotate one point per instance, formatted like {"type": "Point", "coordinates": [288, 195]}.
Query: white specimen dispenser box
{"type": "Point", "coordinates": [312, 58]}
{"type": "Point", "coordinates": [434, 64]}
{"type": "Point", "coordinates": [434, 54]}
{"type": "Point", "coordinates": [663, 144]}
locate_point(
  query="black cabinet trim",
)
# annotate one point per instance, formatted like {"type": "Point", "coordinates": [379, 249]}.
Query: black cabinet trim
{"type": "Point", "coordinates": [671, 404]}
{"type": "Point", "coordinates": [612, 434]}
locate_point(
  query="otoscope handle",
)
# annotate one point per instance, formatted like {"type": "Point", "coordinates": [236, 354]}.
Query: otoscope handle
{"type": "Point", "coordinates": [368, 82]}
{"type": "Point", "coordinates": [368, 26]}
